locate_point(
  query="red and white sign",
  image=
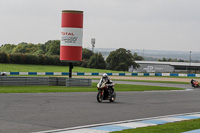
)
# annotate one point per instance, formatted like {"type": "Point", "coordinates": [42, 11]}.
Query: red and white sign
{"type": "Point", "coordinates": [71, 36]}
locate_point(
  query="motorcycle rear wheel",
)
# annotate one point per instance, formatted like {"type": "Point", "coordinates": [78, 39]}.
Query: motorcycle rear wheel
{"type": "Point", "coordinates": [99, 97]}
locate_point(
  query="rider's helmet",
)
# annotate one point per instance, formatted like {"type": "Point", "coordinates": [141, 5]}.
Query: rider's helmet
{"type": "Point", "coordinates": [105, 75]}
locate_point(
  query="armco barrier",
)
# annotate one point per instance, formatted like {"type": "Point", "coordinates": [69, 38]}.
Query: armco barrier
{"type": "Point", "coordinates": [23, 81]}
{"type": "Point", "coordinates": [99, 74]}
{"type": "Point", "coordinates": [78, 82]}
{"type": "Point", "coordinates": [43, 81]}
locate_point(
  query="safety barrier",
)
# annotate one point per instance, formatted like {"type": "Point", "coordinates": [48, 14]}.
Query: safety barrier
{"type": "Point", "coordinates": [78, 82]}
{"type": "Point", "coordinates": [43, 81]}
{"type": "Point", "coordinates": [99, 74]}
{"type": "Point", "coordinates": [23, 81]}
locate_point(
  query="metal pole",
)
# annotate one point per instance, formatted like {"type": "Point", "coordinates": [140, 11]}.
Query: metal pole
{"type": "Point", "coordinates": [190, 62]}
{"type": "Point", "coordinates": [93, 44]}
{"type": "Point", "coordinates": [70, 69]}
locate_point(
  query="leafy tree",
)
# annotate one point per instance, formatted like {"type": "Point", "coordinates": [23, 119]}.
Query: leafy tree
{"type": "Point", "coordinates": [180, 60]}
{"type": "Point", "coordinates": [39, 52]}
{"type": "Point", "coordinates": [25, 48]}
{"type": "Point", "coordinates": [137, 57]}
{"type": "Point", "coordinates": [120, 60]}
{"type": "Point", "coordinates": [163, 59]}
{"type": "Point", "coordinates": [18, 49]}
{"type": "Point", "coordinates": [52, 47]}
{"type": "Point", "coordinates": [97, 61]}
{"type": "Point", "coordinates": [40, 49]}
{"type": "Point", "coordinates": [171, 60]}
{"type": "Point", "coordinates": [86, 54]}
{"type": "Point", "coordinates": [7, 48]}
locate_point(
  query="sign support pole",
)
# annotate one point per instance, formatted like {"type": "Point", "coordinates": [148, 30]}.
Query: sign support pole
{"type": "Point", "coordinates": [70, 69]}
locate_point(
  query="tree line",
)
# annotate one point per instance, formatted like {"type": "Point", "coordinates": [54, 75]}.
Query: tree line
{"type": "Point", "coordinates": [51, 47]}
{"type": "Point", "coordinates": [171, 60]}
{"type": "Point", "coordinates": [48, 54]}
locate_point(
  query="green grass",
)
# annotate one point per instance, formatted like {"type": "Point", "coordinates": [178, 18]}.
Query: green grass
{"type": "Point", "coordinates": [171, 82]}
{"type": "Point", "coordinates": [128, 87]}
{"type": "Point", "coordinates": [46, 89]}
{"type": "Point", "coordinates": [152, 81]}
{"type": "Point", "coordinates": [48, 68]}
{"type": "Point", "coordinates": [177, 77]}
{"type": "Point", "coordinates": [177, 127]}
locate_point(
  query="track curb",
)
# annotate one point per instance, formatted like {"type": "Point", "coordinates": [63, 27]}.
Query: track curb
{"type": "Point", "coordinates": [128, 124]}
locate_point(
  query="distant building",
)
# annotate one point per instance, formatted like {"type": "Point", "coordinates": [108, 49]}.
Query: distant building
{"type": "Point", "coordinates": [155, 66]}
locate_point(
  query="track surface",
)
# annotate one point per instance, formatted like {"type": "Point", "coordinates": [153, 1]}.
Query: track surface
{"type": "Point", "coordinates": [22, 113]}
{"type": "Point", "coordinates": [185, 86]}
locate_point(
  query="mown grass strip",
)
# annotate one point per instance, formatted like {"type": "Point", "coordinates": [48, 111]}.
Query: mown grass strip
{"type": "Point", "coordinates": [177, 127]}
{"type": "Point", "coordinates": [152, 81]}
{"type": "Point", "coordinates": [128, 87]}
{"type": "Point", "coordinates": [49, 68]}
{"type": "Point", "coordinates": [170, 82]}
{"type": "Point", "coordinates": [54, 89]}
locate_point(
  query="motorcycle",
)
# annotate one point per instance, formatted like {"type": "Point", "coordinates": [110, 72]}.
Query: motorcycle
{"type": "Point", "coordinates": [195, 84]}
{"type": "Point", "coordinates": [3, 74]}
{"type": "Point", "coordinates": [106, 92]}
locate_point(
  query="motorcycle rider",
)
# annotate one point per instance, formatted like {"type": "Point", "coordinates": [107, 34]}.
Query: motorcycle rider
{"type": "Point", "coordinates": [3, 74]}
{"type": "Point", "coordinates": [107, 80]}
{"type": "Point", "coordinates": [192, 82]}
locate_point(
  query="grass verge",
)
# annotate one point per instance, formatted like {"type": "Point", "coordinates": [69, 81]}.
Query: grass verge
{"type": "Point", "coordinates": [152, 81]}
{"type": "Point", "coordinates": [48, 68]}
{"type": "Point", "coordinates": [177, 127]}
{"type": "Point", "coordinates": [54, 89]}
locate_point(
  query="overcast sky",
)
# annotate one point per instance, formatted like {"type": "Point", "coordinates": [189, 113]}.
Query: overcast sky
{"type": "Point", "coordinates": [130, 24]}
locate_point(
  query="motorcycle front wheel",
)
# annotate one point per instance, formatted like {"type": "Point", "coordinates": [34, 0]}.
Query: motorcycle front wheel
{"type": "Point", "coordinates": [113, 97]}
{"type": "Point", "coordinates": [99, 97]}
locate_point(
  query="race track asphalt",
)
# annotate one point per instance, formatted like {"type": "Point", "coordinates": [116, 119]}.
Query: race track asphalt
{"type": "Point", "coordinates": [32, 112]}
{"type": "Point", "coordinates": [185, 86]}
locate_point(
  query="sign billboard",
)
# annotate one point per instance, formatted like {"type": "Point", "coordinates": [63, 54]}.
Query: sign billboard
{"type": "Point", "coordinates": [71, 36]}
